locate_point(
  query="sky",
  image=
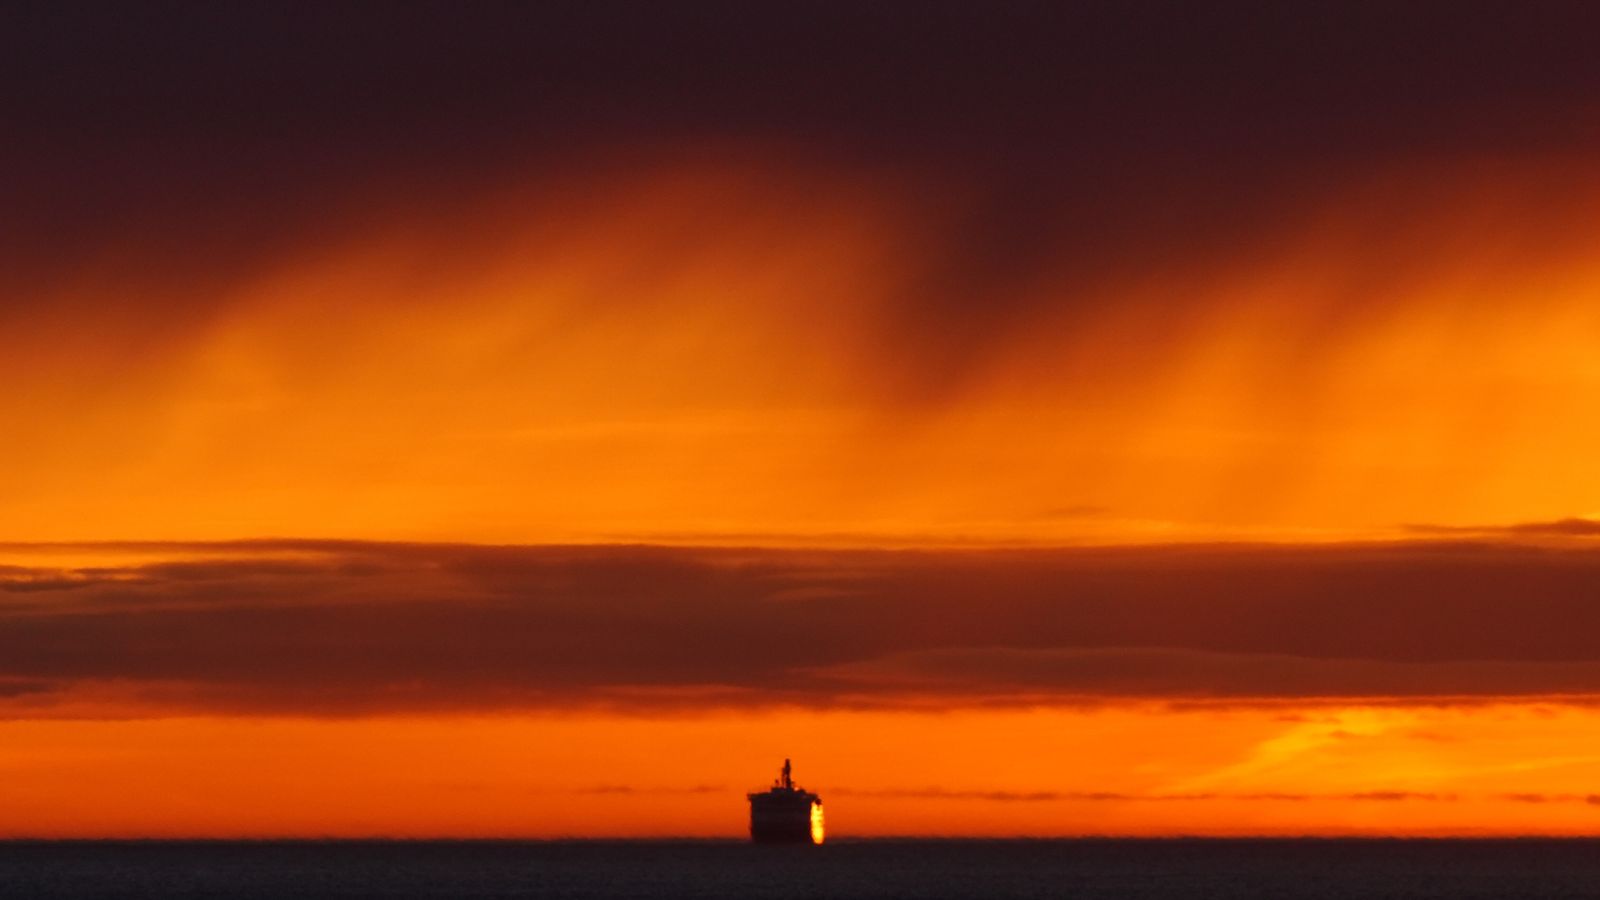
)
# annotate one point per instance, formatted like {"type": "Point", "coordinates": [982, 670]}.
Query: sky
{"type": "Point", "coordinates": [1032, 418]}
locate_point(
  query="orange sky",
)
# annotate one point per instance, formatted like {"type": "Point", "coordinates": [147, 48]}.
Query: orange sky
{"type": "Point", "coordinates": [1497, 768]}
{"type": "Point", "coordinates": [741, 380]}
{"type": "Point", "coordinates": [546, 427]}
{"type": "Point", "coordinates": [715, 352]}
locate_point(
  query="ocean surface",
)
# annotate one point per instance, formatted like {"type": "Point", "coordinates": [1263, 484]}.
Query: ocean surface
{"type": "Point", "coordinates": [841, 869]}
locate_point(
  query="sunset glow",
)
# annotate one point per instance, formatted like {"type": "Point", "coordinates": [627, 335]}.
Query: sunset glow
{"type": "Point", "coordinates": [544, 443]}
{"type": "Point", "coordinates": [1128, 769]}
{"type": "Point", "coordinates": [752, 378]}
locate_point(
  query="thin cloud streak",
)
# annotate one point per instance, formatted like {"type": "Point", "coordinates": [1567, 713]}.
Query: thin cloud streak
{"type": "Point", "coordinates": [1589, 799]}
{"type": "Point", "coordinates": [1571, 527]}
{"type": "Point", "coordinates": [1385, 796]}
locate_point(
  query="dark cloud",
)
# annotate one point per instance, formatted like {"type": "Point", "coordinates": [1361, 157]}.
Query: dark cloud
{"type": "Point", "coordinates": [218, 139]}
{"type": "Point", "coordinates": [355, 628]}
{"type": "Point", "coordinates": [27, 688]}
{"type": "Point", "coordinates": [1132, 671]}
{"type": "Point", "coordinates": [1167, 76]}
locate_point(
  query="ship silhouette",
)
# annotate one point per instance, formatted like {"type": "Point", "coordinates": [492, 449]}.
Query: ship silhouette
{"type": "Point", "coordinates": [785, 813]}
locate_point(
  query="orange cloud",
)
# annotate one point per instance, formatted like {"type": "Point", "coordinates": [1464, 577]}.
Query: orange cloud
{"type": "Point", "coordinates": [757, 342]}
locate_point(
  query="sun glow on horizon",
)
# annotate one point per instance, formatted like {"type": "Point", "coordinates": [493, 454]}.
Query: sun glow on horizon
{"type": "Point", "coordinates": [1136, 769]}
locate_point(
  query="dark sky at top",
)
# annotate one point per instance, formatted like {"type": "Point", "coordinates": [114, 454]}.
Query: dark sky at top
{"type": "Point", "coordinates": [238, 121]}
{"type": "Point", "coordinates": [162, 94]}
{"type": "Point", "coordinates": [901, 76]}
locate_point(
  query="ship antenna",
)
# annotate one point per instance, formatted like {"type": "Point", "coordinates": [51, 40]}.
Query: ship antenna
{"type": "Point", "coordinates": [788, 783]}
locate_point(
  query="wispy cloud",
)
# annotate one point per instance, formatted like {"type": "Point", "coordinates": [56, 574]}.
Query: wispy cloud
{"type": "Point", "coordinates": [1574, 527]}
{"type": "Point", "coordinates": [630, 789]}
{"type": "Point", "coordinates": [1011, 796]}
{"type": "Point", "coordinates": [1590, 799]}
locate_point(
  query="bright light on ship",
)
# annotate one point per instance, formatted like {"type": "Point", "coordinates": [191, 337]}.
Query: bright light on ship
{"type": "Point", "coordinates": [816, 823]}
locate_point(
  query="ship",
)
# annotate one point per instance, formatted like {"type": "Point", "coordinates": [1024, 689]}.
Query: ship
{"type": "Point", "coordinates": [785, 813]}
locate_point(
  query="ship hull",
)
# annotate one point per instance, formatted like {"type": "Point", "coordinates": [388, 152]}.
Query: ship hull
{"type": "Point", "coordinates": [780, 818]}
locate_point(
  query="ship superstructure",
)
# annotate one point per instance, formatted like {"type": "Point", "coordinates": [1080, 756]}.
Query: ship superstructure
{"type": "Point", "coordinates": [785, 813]}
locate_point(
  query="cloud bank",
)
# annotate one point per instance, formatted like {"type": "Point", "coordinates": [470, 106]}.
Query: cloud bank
{"type": "Point", "coordinates": [328, 628]}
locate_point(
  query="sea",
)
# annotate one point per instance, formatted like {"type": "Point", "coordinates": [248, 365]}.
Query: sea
{"type": "Point", "coordinates": [956, 869]}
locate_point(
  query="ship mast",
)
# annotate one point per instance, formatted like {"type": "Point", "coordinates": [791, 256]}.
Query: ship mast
{"type": "Point", "coordinates": [788, 783]}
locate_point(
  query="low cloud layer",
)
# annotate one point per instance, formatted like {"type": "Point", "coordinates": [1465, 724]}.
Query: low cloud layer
{"type": "Point", "coordinates": [349, 628]}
